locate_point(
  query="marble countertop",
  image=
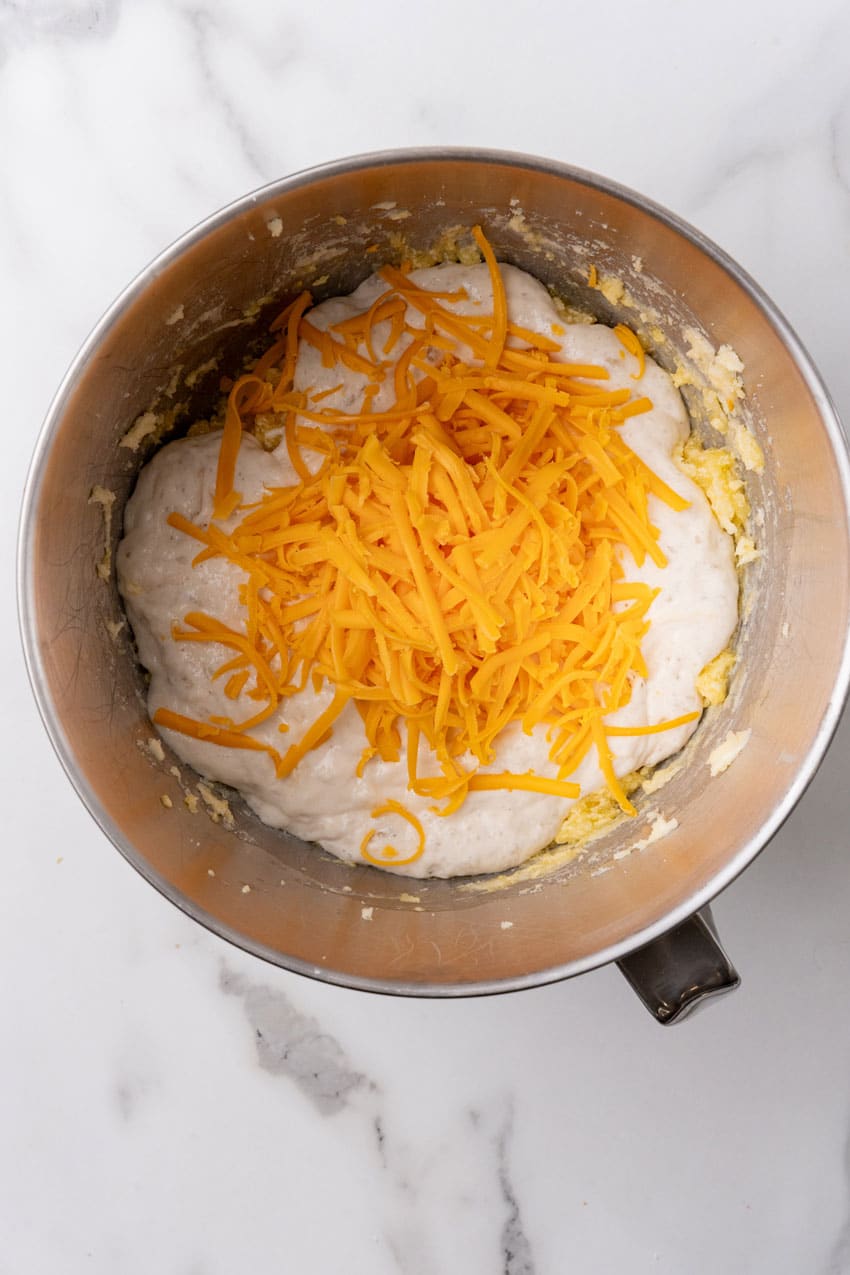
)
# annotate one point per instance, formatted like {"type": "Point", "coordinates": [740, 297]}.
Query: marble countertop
{"type": "Point", "coordinates": [170, 1104]}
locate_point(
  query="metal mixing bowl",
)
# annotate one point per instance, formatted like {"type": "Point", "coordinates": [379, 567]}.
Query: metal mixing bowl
{"type": "Point", "coordinates": [205, 298]}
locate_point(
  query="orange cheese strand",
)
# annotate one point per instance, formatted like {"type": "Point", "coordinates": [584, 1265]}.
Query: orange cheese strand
{"type": "Point", "coordinates": [606, 765]}
{"type": "Point", "coordinates": [317, 732]}
{"type": "Point", "coordinates": [211, 734]}
{"type": "Point", "coordinates": [390, 854]}
{"type": "Point", "coordinates": [631, 342]}
{"type": "Point", "coordinates": [500, 304]}
{"type": "Point", "coordinates": [252, 394]}
{"type": "Point", "coordinates": [671, 724]}
{"type": "Point", "coordinates": [454, 565]}
{"type": "Point", "coordinates": [248, 396]}
{"type": "Point", "coordinates": [525, 783]}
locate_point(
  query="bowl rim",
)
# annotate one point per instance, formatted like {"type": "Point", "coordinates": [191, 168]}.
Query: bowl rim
{"type": "Point", "coordinates": [25, 560]}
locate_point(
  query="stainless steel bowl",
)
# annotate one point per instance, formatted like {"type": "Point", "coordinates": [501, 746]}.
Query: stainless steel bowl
{"type": "Point", "coordinates": [204, 298]}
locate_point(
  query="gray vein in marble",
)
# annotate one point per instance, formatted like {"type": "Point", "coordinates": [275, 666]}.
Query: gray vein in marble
{"type": "Point", "coordinates": [14, 238]}
{"type": "Point", "coordinates": [839, 1259]}
{"type": "Point", "coordinates": [754, 142]}
{"type": "Point", "coordinates": [839, 144]}
{"type": "Point", "coordinates": [516, 1249]}
{"type": "Point", "coordinates": [756, 158]}
{"type": "Point", "coordinates": [125, 1099]}
{"type": "Point", "coordinates": [204, 33]}
{"type": "Point", "coordinates": [28, 21]}
{"type": "Point", "coordinates": [293, 1045]}
{"type": "Point", "coordinates": [380, 1139]}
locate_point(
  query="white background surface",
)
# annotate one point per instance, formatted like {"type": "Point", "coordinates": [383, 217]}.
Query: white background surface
{"type": "Point", "coordinates": [555, 1131]}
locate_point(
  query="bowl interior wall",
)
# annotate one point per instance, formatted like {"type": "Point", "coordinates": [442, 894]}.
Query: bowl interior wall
{"type": "Point", "coordinates": [304, 908]}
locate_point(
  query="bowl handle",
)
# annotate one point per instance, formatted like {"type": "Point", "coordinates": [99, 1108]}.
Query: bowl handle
{"type": "Point", "coordinates": [678, 972]}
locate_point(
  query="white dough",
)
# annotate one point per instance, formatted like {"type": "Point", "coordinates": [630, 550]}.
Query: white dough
{"type": "Point", "coordinates": [323, 800]}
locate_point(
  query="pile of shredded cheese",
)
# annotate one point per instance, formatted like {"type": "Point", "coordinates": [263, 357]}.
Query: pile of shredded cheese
{"type": "Point", "coordinates": [452, 563]}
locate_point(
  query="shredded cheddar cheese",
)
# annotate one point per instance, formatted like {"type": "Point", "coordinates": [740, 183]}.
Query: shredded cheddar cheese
{"type": "Point", "coordinates": [449, 564]}
{"type": "Point", "coordinates": [631, 342]}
